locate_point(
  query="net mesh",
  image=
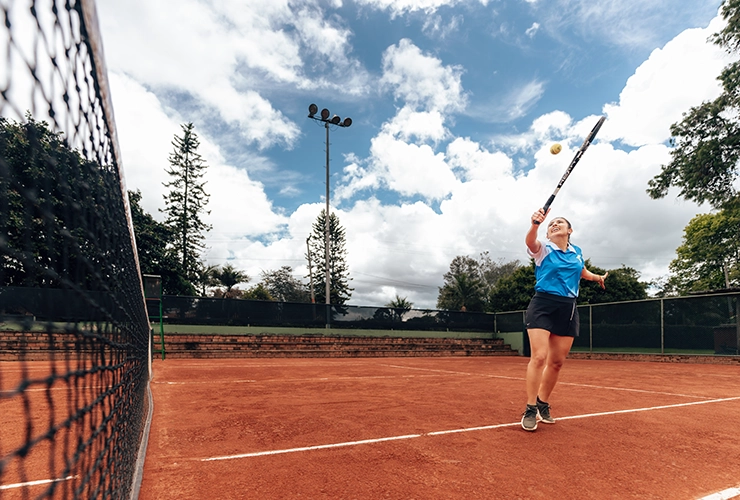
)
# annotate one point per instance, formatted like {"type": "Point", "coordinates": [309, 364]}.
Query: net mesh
{"type": "Point", "coordinates": [74, 333]}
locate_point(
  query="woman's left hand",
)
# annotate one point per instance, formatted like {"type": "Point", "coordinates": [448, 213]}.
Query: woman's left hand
{"type": "Point", "coordinates": [600, 279]}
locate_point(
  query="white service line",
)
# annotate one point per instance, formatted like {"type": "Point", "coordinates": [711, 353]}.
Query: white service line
{"type": "Point", "coordinates": [310, 448]}
{"type": "Point", "coordinates": [561, 383]}
{"type": "Point", "coordinates": [247, 364]}
{"type": "Point", "coordinates": [291, 380]}
{"type": "Point", "coordinates": [34, 483]}
{"type": "Point", "coordinates": [55, 388]}
{"type": "Point", "coordinates": [210, 382]}
{"type": "Point", "coordinates": [723, 495]}
{"type": "Point", "coordinates": [452, 431]}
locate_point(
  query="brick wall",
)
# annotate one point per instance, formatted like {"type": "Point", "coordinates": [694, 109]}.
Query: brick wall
{"type": "Point", "coordinates": [39, 346]}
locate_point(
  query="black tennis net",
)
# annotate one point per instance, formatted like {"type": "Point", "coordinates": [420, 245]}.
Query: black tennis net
{"type": "Point", "coordinates": [74, 393]}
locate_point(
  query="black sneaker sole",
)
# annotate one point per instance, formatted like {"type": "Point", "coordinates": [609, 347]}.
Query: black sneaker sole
{"type": "Point", "coordinates": [530, 430]}
{"type": "Point", "coordinates": [540, 419]}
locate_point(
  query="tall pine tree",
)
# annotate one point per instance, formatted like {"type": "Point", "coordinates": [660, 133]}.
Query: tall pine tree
{"type": "Point", "coordinates": [186, 201]}
{"type": "Point", "coordinates": [339, 290]}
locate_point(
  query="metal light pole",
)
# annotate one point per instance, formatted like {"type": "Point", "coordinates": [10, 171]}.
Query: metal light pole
{"type": "Point", "coordinates": [310, 270]}
{"type": "Point", "coordinates": [334, 120]}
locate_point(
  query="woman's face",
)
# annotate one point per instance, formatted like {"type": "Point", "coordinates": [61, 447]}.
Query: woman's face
{"type": "Point", "coordinates": [558, 226]}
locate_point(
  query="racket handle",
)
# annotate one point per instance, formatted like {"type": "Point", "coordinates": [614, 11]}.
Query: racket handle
{"type": "Point", "coordinates": [547, 205]}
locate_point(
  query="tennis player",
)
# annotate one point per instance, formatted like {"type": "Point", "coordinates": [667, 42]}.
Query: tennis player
{"type": "Point", "coordinates": [552, 316]}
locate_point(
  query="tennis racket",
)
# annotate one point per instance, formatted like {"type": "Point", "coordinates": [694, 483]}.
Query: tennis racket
{"type": "Point", "coordinates": [573, 162]}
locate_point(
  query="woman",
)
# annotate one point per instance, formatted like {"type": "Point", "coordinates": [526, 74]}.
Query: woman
{"type": "Point", "coordinates": [552, 316]}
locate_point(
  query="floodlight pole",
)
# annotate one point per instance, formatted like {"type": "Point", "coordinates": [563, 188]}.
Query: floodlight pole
{"type": "Point", "coordinates": [334, 120]}
{"type": "Point", "coordinates": [327, 274]}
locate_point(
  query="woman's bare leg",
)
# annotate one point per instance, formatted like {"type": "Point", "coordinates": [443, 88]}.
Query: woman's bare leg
{"type": "Point", "coordinates": [539, 342]}
{"type": "Point", "coordinates": [558, 349]}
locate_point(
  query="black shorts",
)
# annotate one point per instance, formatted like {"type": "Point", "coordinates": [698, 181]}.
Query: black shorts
{"type": "Point", "coordinates": [558, 315]}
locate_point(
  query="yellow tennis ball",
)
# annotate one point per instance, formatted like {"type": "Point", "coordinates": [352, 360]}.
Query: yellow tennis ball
{"type": "Point", "coordinates": [556, 148]}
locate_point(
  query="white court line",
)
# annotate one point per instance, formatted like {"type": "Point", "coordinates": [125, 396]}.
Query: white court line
{"type": "Point", "coordinates": [723, 495]}
{"type": "Point", "coordinates": [34, 483]}
{"type": "Point", "coordinates": [246, 364]}
{"type": "Point", "coordinates": [287, 380]}
{"type": "Point", "coordinates": [57, 388]}
{"type": "Point", "coordinates": [309, 448]}
{"type": "Point", "coordinates": [210, 382]}
{"type": "Point", "coordinates": [451, 431]}
{"type": "Point", "coordinates": [561, 383]}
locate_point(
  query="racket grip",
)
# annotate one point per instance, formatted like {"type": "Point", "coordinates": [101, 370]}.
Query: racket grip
{"type": "Point", "coordinates": [547, 205]}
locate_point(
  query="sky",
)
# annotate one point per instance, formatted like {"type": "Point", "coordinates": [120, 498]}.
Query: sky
{"type": "Point", "coordinates": [454, 104]}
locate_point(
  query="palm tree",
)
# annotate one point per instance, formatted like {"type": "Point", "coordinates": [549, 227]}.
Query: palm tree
{"type": "Point", "coordinates": [400, 306]}
{"type": "Point", "coordinates": [229, 276]}
{"type": "Point", "coordinates": [462, 292]}
{"type": "Point", "coordinates": [207, 277]}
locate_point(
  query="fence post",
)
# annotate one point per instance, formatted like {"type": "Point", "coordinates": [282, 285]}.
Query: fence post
{"type": "Point", "coordinates": [590, 329]}
{"type": "Point", "coordinates": [526, 348]}
{"type": "Point", "coordinates": [737, 322]}
{"type": "Point", "coordinates": [662, 327]}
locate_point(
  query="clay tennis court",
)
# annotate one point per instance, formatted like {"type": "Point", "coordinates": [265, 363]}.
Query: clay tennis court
{"type": "Point", "coordinates": [439, 428]}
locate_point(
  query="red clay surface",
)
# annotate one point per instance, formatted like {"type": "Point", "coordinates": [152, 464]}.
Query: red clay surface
{"type": "Point", "coordinates": [206, 409]}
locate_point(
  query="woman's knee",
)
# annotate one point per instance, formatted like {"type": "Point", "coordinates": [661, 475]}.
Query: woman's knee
{"type": "Point", "coordinates": [555, 363]}
{"type": "Point", "coordinates": [538, 360]}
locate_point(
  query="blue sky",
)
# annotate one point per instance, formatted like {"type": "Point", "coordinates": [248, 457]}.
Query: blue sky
{"type": "Point", "coordinates": [454, 105]}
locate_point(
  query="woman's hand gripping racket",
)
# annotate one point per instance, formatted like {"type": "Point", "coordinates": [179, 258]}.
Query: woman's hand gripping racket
{"type": "Point", "coordinates": [572, 165]}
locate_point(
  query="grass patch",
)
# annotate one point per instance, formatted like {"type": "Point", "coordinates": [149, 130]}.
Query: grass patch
{"type": "Point", "coordinates": [276, 330]}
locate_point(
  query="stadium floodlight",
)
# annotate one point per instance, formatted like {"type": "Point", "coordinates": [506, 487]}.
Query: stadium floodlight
{"type": "Point", "coordinates": [334, 120]}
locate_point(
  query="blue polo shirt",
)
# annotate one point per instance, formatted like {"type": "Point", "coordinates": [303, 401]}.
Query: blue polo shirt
{"type": "Point", "coordinates": [558, 272]}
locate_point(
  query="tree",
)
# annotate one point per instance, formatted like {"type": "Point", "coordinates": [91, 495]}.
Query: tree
{"type": "Point", "coordinates": [207, 278]}
{"type": "Point", "coordinates": [228, 276]}
{"type": "Point", "coordinates": [339, 290]}
{"type": "Point", "coordinates": [283, 287]}
{"type": "Point", "coordinates": [257, 292]}
{"type": "Point", "coordinates": [621, 285]}
{"type": "Point", "coordinates": [514, 292]}
{"type": "Point", "coordinates": [152, 239]}
{"type": "Point", "coordinates": [399, 306]}
{"type": "Point", "coordinates": [60, 215]}
{"type": "Point", "coordinates": [469, 282]}
{"type": "Point", "coordinates": [492, 271]}
{"type": "Point", "coordinates": [709, 257]}
{"type": "Point", "coordinates": [185, 203]}
{"type": "Point", "coordinates": [463, 289]}
{"type": "Point", "coordinates": [706, 142]}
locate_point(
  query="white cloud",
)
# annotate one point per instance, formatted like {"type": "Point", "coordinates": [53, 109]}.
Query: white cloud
{"type": "Point", "coordinates": [400, 7]}
{"type": "Point", "coordinates": [421, 80]}
{"type": "Point", "coordinates": [238, 205]}
{"type": "Point", "coordinates": [227, 55]}
{"type": "Point", "coordinates": [440, 27]}
{"type": "Point", "coordinates": [666, 85]}
{"type": "Point", "coordinates": [145, 133]}
{"type": "Point", "coordinates": [512, 105]}
{"type": "Point", "coordinates": [532, 30]}
{"type": "Point", "coordinates": [424, 125]}
{"type": "Point", "coordinates": [411, 169]}
{"type": "Point", "coordinates": [396, 163]}
{"type": "Point", "coordinates": [626, 23]}
{"type": "Point", "coordinates": [477, 163]}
